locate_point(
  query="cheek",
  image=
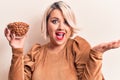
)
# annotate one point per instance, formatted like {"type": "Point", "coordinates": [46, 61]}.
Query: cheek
{"type": "Point", "coordinates": [50, 29]}
{"type": "Point", "coordinates": [69, 30]}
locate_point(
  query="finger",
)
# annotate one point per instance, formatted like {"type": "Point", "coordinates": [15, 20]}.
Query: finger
{"type": "Point", "coordinates": [119, 41]}
{"type": "Point", "coordinates": [13, 36]}
{"type": "Point", "coordinates": [19, 37]}
{"type": "Point", "coordinates": [115, 44]}
{"type": "Point", "coordinates": [7, 34]}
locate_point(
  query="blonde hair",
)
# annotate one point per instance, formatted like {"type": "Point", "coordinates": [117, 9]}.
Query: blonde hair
{"type": "Point", "coordinates": [67, 13]}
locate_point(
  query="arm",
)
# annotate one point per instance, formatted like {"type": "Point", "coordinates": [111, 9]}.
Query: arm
{"type": "Point", "coordinates": [17, 69]}
{"type": "Point", "coordinates": [103, 47]}
{"type": "Point", "coordinates": [88, 62]}
{"type": "Point", "coordinates": [93, 66]}
{"type": "Point", "coordinates": [22, 66]}
{"type": "Point", "coordinates": [17, 65]}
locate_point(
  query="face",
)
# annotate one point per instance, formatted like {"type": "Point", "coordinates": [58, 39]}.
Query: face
{"type": "Point", "coordinates": [58, 29]}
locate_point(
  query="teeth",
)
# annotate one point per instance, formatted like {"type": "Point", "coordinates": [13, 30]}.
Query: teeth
{"type": "Point", "coordinates": [60, 34]}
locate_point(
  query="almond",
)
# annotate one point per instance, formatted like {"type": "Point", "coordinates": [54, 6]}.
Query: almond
{"type": "Point", "coordinates": [18, 28]}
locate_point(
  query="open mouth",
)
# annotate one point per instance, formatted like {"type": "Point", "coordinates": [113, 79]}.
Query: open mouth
{"type": "Point", "coordinates": [60, 35]}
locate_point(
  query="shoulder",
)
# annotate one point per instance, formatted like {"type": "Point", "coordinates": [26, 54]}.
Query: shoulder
{"type": "Point", "coordinates": [35, 47]}
{"type": "Point", "coordinates": [79, 46]}
{"type": "Point", "coordinates": [80, 42]}
{"type": "Point", "coordinates": [35, 51]}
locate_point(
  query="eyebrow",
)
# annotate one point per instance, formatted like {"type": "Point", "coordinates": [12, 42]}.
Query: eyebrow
{"type": "Point", "coordinates": [54, 18]}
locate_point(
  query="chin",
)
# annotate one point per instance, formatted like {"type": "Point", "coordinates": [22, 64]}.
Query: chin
{"type": "Point", "coordinates": [62, 42]}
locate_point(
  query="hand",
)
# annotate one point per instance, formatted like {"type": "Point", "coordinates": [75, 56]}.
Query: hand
{"type": "Point", "coordinates": [14, 41]}
{"type": "Point", "coordinates": [107, 46]}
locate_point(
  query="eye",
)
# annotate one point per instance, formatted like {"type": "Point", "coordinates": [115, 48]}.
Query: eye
{"type": "Point", "coordinates": [54, 21]}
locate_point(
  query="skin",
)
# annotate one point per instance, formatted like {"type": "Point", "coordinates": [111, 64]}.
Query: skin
{"type": "Point", "coordinates": [14, 41]}
{"type": "Point", "coordinates": [58, 25]}
{"type": "Point", "coordinates": [103, 47]}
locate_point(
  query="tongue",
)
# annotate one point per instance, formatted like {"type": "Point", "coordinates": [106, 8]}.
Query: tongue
{"type": "Point", "coordinates": [59, 37]}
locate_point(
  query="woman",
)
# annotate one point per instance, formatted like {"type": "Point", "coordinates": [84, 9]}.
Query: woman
{"type": "Point", "coordinates": [62, 58]}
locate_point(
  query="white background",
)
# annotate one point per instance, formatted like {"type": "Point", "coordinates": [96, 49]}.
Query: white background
{"type": "Point", "coordinates": [98, 20]}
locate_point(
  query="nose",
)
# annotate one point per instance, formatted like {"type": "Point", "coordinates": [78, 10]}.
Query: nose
{"type": "Point", "coordinates": [61, 26]}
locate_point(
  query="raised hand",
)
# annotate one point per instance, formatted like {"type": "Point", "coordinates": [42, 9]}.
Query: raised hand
{"type": "Point", "coordinates": [14, 41]}
{"type": "Point", "coordinates": [107, 46]}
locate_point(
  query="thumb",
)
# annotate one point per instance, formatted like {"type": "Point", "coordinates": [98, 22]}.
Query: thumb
{"type": "Point", "coordinates": [7, 34]}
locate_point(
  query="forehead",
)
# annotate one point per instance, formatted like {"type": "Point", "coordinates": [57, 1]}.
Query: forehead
{"type": "Point", "coordinates": [56, 13]}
